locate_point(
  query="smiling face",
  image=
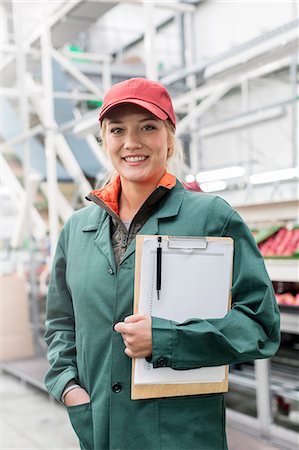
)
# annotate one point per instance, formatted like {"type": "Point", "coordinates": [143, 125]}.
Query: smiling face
{"type": "Point", "coordinates": [137, 144]}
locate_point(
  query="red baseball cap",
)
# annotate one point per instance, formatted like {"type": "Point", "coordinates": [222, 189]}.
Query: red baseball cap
{"type": "Point", "coordinates": [148, 94]}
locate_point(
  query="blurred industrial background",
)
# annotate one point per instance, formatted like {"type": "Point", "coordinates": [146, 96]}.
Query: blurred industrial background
{"type": "Point", "coordinates": [232, 70]}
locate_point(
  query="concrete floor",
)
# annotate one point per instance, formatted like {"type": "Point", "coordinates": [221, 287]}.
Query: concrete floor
{"type": "Point", "coordinates": [29, 420]}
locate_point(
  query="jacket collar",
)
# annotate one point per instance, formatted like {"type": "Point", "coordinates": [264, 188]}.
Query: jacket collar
{"type": "Point", "coordinates": [109, 193]}
{"type": "Point", "coordinates": [94, 219]}
{"type": "Point", "coordinates": [98, 221]}
{"type": "Point", "coordinates": [169, 209]}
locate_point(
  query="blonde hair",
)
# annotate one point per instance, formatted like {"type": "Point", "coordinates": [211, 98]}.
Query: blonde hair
{"type": "Point", "coordinates": [175, 160]}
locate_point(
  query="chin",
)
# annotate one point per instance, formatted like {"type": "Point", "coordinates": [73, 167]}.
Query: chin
{"type": "Point", "coordinates": [134, 175]}
{"type": "Point", "coordinates": [142, 176]}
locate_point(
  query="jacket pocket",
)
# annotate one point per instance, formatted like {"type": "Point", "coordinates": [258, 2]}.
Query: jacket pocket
{"type": "Point", "coordinates": [193, 423]}
{"type": "Point", "coordinates": [81, 420]}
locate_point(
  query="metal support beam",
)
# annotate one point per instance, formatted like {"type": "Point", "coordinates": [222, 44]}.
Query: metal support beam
{"type": "Point", "coordinates": [30, 133]}
{"type": "Point", "coordinates": [246, 133]}
{"type": "Point", "coordinates": [8, 178]}
{"type": "Point", "coordinates": [295, 92]}
{"type": "Point", "coordinates": [38, 31]}
{"type": "Point", "coordinates": [75, 72]}
{"type": "Point", "coordinates": [92, 142]}
{"type": "Point", "coordinates": [8, 48]}
{"type": "Point", "coordinates": [76, 96]}
{"type": "Point", "coordinates": [106, 76]}
{"type": "Point", "coordinates": [262, 374]}
{"type": "Point", "coordinates": [70, 163]}
{"type": "Point", "coordinates": [25, 221]}
{"type": "Point", "coordinates": [295, 115]}
{"type": "Point", "coordinates": [179, 7]}
{"type": "Point", "coordinates": [18, 239]}
{"type": "Point", "coordinates": [97, 150]}
{"type": "Point", "coordinates": [188, 28]}
{"type": "Point", "coordinates": [205, 90]}
{"type": "Point", "coordinates": [4, 30]}
{"type": "Point", "coordinates": [50, 130]}
{"type": "Point", "coordinates": [149, 41]}
{"type": "Point", "coordinates": [64, 208]}
{"type": "Point", "coordinates": [247, 119]}
{"type": "Point", "coordinates": [24, 115]}
{"type": "Point", "coordinates": [202, 108]}
{"type": "Point", "coordinates": [61, 146]}
{"type": "Point", "coordinates": [283, 38]}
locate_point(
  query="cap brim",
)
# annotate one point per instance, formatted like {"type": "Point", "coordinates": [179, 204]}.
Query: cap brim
{"type": "Point", "coordinates": [146, 105]}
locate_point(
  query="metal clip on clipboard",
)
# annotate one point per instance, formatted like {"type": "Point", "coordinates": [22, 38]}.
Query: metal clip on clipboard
{"type": "Point", "coordinates": [188, 242]}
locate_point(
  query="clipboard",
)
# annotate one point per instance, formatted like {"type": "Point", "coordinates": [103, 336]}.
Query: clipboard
{"type": "Point", "coordinates": [190, 265]}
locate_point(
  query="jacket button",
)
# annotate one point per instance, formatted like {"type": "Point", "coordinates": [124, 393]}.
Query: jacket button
{"type": "Point", "coordinates": [116, 388]}
{"type": "Point", "coordinates": [110, 271]}
{"type": "Point", "coordinates": [162, 362]}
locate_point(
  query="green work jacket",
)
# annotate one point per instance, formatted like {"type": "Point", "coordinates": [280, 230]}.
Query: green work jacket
{"type": "Point", "coordinates": [87, 295]}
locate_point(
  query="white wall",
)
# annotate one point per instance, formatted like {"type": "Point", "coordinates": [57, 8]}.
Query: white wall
{"type": "Point", "coordinates": [222, 25]}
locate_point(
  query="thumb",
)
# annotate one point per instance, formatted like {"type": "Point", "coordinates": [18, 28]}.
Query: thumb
{"type": "Point", "coordinates": [134, 318]}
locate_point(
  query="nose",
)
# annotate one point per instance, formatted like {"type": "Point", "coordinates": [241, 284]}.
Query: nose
{"type": "Point", "coordinates": [132, 140]}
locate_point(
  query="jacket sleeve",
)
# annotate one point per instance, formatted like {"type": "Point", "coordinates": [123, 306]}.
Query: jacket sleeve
{"type": "Point", "coordinates": [250, 330]}
{"type": "Point", "coordinates": [60, 328]}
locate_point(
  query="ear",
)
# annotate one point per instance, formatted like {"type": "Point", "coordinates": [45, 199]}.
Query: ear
{"type": "Point", "coordinates": [169, 152]}
{"type": "Point", "coordinates": [170, 144]}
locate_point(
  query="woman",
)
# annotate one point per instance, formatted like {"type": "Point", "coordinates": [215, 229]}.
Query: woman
{"type": "Point", "coordinates": [91, 331]}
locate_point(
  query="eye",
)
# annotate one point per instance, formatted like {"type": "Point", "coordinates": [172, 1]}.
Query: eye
{"type": "Point", "coordinates": [116, 130]}
{"type": "Point", "coordinates": [148, 127]}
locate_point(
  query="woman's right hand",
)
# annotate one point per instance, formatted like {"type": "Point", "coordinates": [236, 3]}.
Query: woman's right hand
{"type": "Point", "coordinates": [76, 396]}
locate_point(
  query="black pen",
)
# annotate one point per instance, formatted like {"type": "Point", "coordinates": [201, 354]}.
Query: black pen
{"type": "Point", "coordinates": [159, 266]}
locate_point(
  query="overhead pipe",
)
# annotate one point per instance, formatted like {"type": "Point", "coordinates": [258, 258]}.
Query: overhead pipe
{"type": "Point", "coordinates": [205, 90]}
{"type": "Point", "coordinates": [291, 27]}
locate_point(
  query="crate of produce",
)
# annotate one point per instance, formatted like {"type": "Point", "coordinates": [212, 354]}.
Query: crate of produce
{"type": "Point", "coordinates": [288, 302]}
{"type": "Point", "coordinates": [279, 242]}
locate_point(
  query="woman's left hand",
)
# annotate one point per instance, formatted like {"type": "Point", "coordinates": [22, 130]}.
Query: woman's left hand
{"type": "Point", "coordinates": [136, 331]}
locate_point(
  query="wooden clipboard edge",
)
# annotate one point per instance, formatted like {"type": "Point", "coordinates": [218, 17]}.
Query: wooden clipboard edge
{"type": "Point", "coordinates": [146, 391]}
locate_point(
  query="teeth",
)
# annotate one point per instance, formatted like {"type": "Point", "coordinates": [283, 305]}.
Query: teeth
{"type": "Point", "coordinates": [135, 158]}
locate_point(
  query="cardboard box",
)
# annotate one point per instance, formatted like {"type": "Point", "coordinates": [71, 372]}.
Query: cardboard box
{"type": "Point", "coordinates": [16, 339]}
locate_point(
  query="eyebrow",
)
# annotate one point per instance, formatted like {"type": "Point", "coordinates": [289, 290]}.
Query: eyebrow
{"type": "Point", "coordinates": [139, 121]}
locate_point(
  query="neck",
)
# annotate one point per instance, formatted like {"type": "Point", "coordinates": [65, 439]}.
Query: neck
{"type": "Point", "coordinates": [132, 198]}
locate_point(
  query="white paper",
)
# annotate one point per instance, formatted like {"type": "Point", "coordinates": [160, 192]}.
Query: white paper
{"type": "Point", "coordinates": [195, 284]}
